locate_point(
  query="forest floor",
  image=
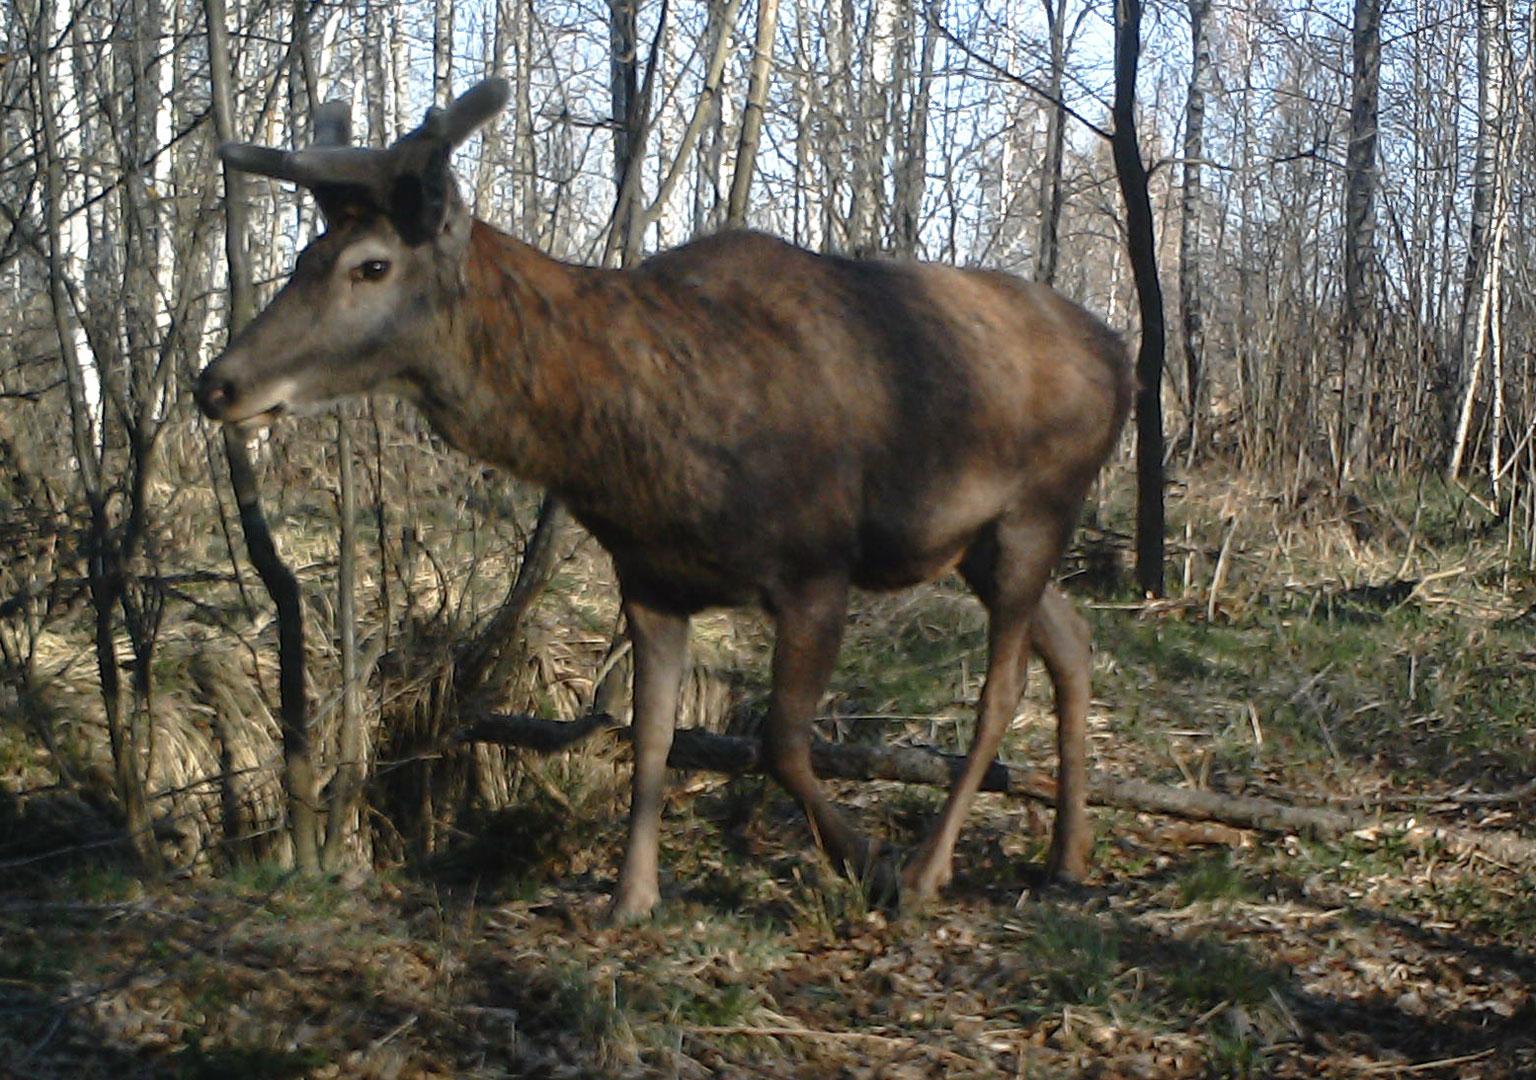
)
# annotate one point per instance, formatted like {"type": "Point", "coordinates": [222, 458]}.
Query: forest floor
{"type": "Point", "coordinates": [1402, 685]}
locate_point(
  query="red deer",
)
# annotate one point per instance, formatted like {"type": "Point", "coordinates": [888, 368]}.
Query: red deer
{"type": "Point", "coordinates": [737, 421]}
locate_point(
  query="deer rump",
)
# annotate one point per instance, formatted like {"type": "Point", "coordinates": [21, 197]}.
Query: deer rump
{"type": "Point", "coordinates": [737, 421]}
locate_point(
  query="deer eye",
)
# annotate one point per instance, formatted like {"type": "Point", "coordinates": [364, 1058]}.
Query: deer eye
{"type": "Point", "coordinates": [372, 270]}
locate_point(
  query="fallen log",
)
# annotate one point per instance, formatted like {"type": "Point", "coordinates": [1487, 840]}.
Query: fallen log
{"type": "Point", "coordinates": [731, 754]}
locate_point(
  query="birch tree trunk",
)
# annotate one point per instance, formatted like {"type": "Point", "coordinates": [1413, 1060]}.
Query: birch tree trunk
{"type": "Point", "coordinates": [1048, 246]}
{"type": "Point", "coordinates": [1190, 221]}
{"type": "Point", "coordinates": [1472, 327]}
{"type": "Point", "coordinates": [1352, 423]}
{"type": "Point", "coordinates": [1490, 95]}
{"type": "Point", "coordinates": [752, 114]}
{"type": "Point", "coordinates": [442, 51]}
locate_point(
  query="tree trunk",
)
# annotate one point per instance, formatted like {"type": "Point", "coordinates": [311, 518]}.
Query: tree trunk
{"type": "Point", "coordinates": [1048, 247]}
{"type": "Point", "coordinates": [722, 19]}
{"type": "Point", "coordinates": [104, 570]}
{"type": "Point", "coordinates": [912, 176]}
{"type": "Point", "coordinates": [442, 51]}
{"type": "Point", "coordinates": [1472, 326]}
{"type": "Point", "coordinates": [352, 745]}
{"type": "Point", "coordinates": [730, 754]}
{"type": "Point", "coordinates": [490, 167]}
{"type": "Point", "coordinates": [1141, 247]}
{"type": "Point", "coordinates": [281, 585]}
{"type": "Point", "coordinates": [631, 100]}
{"type": "Point", "coordinates": [1190, 219]}
{"type": "Point", "coordinates": [525, 151]}
{"type": "Point", "coordinates": [752, 114]}
{"type": "Point", "coordinates": [623, 82]}
{"type": "Point", "coordinates": [1352, 422]}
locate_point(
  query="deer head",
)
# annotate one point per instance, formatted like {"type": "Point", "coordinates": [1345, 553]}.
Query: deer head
{"type": "Point", "coordinates": [364, 303]}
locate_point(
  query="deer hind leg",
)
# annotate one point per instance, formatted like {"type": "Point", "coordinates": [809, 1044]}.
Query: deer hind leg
{"type": "Point", "coordinates": [660, 642]}
{"type": "Point", "coordinates": [1007, 567]}
{"type": "Point", "coordinates": [1060, 636]}
{"type": "Point", "coordinates": [809, 631]}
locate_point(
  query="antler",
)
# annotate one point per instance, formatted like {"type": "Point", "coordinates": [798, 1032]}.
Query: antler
{"type": "Point", "coordinates": [331, 161]}
{"type": "Point", "coordinates": [474, 107]}
{"type": "Point", "coordinates": [333, 124]}
{"type": "Point", "coordinates": [307, 168]}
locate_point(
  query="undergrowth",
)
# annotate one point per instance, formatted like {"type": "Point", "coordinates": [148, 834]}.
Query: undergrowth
{"type": "Point", "coordinates": [1324, 667]}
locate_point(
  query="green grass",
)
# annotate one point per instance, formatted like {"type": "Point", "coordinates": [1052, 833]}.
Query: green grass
{"type": "Point", "coordinates": [30, 959]}
{"type": "Point", "coordinates": [1216, 878]}
{"type": "Point", "coordinates": [1235, 1054]}
{"type": "Point", "coordinates": [724, 1006]}
{"type": "Point", "coordinates": [1206, 972]}
{"type": "Point", "coordinates": [1072, 958]}
{"type": "Point", "coordinates": [251, 1062]}
{"type": "Point", "coordinates": [828, 905]}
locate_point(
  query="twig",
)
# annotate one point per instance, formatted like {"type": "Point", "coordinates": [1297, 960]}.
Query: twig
{"type": "Point", "coordinates": [794, 1032]}
{"type": "Point", "coordinates": [1438, 575]}
{"type": "Point", "coordinates": [1426, 1066]}
{"type": "Point", "coordinates": [1219, 575]}
{"type": "Point", "coordinates": [777, 1032]}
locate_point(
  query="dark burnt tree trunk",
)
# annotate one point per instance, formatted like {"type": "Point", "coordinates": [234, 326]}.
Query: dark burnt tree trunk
{"type": "Point", "coordinates": [1141, 248]}
{"type": "Point", "coordinates": [281, 585]}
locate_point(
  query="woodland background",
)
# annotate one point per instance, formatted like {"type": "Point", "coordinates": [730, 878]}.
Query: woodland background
{"type": "Point", "coordinates": [1311, 221]}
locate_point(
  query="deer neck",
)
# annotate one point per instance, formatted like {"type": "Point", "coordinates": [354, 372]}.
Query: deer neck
{"type": "Point", "coordinates": [532, 362]}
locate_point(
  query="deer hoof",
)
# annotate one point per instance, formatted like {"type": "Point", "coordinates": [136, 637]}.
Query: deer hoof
{"type": "Point", "coordinates": [1066, 865]}
{"type": "Point", "coordinates": [629, 908]}
{"type": "Point", "coordinates": [921, 882]}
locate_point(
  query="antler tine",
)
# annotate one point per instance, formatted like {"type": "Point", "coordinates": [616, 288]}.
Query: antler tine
{"type": "Point", "coordinates": [472, 108]}
{"type": "Point", "coordinates": [317, 165]}
{"type": "Point", "coordinates": [333, 124]}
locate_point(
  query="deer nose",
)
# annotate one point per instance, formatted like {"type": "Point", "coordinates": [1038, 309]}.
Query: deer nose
{"type": "Point", "coordinates": [214, 392]}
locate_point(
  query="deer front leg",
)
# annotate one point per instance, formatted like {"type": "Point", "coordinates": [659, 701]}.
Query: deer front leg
{"type": "Point", "coordinates": [930, 869]}
{"type": "Point", "coordinates": [660, 642]}
{"type": "Point", "coordinates": [1008, 568]}
{"type": "Point", "coordinates": [810, 629]}
{"type": "Point", "coordinates": [1060, 635]}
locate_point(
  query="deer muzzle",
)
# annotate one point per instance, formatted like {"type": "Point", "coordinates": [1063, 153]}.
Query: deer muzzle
{"type": "Point", "coordinates": [220, 396]}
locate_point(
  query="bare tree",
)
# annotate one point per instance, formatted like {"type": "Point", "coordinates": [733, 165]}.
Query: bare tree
{"type": "Point", "coordinates": [1360, 184]}
{"type": "Point", "coordinates": [281, 584]}
{"type": "Point", "coordinates": [104, 553]}
{"type": "Point", "coordinates": [910, 181]}
{"type": "Point", "coordinates": [752, 114]}
{"type": "Point", "coordinates": [1048, 247]}
{"type": "Point", "coordinates": [1190, 219]}
{"type": "Point", "coordinates": [1142, 248]}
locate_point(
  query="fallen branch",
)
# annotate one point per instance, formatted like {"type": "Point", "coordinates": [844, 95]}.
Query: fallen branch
{"type": "Point", "coordinates": [695, 749]}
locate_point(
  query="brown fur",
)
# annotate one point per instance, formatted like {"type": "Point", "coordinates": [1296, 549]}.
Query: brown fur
{"type": "Point", "coordinates": [740, 421]}
{"type": "Point", "coordinates": [739, 413]}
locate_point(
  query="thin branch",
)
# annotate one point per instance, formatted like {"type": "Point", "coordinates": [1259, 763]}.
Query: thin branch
{"type": "Point", "coordinates": [1013, 77]}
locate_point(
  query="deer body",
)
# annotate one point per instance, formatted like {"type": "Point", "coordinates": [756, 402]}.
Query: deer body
{"type": "Point", "coordinates": [737, 421]}
{"type": "Point", "coordinates": [722, 437]}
